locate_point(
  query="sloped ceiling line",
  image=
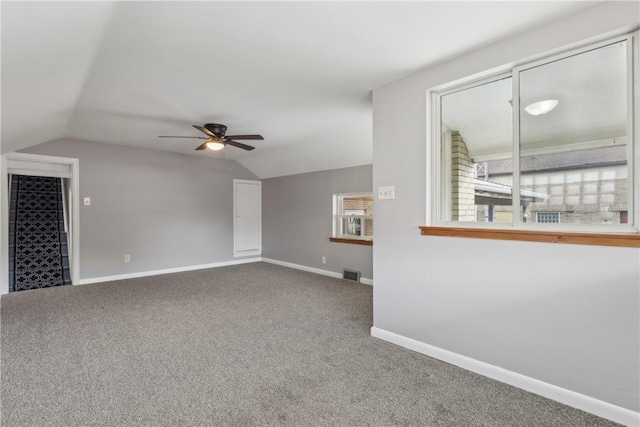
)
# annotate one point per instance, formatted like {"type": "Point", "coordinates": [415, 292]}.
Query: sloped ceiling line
{"type": "Point", "coordinates": [295, 72]}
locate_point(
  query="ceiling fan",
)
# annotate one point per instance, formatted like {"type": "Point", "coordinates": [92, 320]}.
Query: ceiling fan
{"type": "Point", "coordinates": [216, 138]}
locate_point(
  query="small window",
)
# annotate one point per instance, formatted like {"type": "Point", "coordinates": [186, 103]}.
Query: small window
{"type": "Point", "coordinates": [353, 216]}
{"type": "Point", "coordinates": [548, 217]}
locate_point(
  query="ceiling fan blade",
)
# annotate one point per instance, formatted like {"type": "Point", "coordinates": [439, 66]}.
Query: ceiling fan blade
{"type": "Point", "coordinates": [245, 137]}
{"type": "Point", "coordinates": [239, 145]}
{"type": "Point", "coordinates": [202, 147]}
{"type": "Point", "coordinates": [204, 130]}
{"type": "Point", "coordinates": [177, 136]}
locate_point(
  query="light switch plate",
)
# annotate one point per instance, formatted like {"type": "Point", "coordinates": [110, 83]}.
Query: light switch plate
{"type": "Point", "coordinates": [87, 201]}
{"type": "Point", "coordinates": [386, 193]}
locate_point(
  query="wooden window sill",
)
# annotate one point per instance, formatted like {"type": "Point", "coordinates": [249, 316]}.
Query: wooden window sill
{"type": "Point", "coordinates": [630, 240]}
{"type": "Point", "coordinates": [352, 241]}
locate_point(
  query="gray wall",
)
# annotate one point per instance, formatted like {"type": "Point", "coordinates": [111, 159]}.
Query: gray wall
{"type": "Point", "coordinates": [165, 209]}
{"type": "Point", "coordinates": [297, 219]}
{"type": "Point", "coordinates": [564, 314]}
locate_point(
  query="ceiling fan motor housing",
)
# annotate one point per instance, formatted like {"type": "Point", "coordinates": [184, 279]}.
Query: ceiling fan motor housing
{"type": "Point", "coordinates": [216, 138]}
{"type": "Point", "coordinates": [216, 128]}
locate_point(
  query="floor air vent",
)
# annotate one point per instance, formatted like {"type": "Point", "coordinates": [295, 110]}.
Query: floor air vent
{"type": "Point", "coordinates": [351, 275]}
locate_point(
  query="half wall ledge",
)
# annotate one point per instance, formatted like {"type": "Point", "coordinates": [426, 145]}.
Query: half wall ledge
{"type": "Point", "coordinates": [352, 241]}
{"type": "Point", "coordinates": [629, 240]}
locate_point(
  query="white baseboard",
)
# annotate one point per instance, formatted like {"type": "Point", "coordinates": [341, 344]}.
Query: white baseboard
{"type": "Point", "coordinates": [165, 271]}
{"type": "Point", "coordinates": [363, 280]}
{"type": "Point", "coordinates": [248, 253]}
{"type": "Point", "coordinates": [303, 268]}
{"type": "Point", "coordinates": [559, 394]}
{"type": "Point", "coordinates": [90, 280]}
{"type": "Point", "coordinates": [366, 281]}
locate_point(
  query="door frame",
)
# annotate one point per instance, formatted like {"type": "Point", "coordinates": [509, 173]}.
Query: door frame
{"type": "Point", "coordinates": [37, 165]}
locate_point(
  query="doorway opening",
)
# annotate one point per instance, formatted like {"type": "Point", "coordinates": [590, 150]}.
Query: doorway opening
{"type": "Point", "coordinates": [38, 232]}
{"type": "Point", "coordinates": [40, 227]}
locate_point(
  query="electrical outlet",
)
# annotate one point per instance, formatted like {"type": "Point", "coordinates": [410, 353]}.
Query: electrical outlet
{"type": "Point", "coordinates": [324, 259]}
{"type": "Point", "coordinates": [127, 258]}
{"type": "Point", "coordinates": [386, 193]}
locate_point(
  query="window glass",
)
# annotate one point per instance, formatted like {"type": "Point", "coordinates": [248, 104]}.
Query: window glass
{"type": "Point", "coordinates": [476, 123]}
{"type": "Point", "coordinates": [573, 137]}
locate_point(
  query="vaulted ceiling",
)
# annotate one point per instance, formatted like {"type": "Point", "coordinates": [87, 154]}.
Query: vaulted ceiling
{"type": "Point", "coordinates": [299, 73]}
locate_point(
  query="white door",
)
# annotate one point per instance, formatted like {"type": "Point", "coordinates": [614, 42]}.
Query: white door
{"type": "Point", "coordinates": [247, 206]}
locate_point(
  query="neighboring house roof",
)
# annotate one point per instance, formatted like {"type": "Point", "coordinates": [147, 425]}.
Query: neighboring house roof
{"type": "Point", "coordinates": [583, 159]}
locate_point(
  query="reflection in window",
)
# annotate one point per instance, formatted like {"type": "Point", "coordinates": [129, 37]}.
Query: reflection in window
{"type": "Point", "coordinates": [580, 146]}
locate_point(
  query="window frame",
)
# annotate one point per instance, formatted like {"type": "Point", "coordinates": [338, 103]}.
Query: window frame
{"type": "Point", "coordinates": [437, 185]}
{"type": "Point", "coordinates": [338, 217]}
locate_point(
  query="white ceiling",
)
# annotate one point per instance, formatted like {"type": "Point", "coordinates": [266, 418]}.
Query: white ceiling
{"type": "Point", "coordinates": [299, 73]}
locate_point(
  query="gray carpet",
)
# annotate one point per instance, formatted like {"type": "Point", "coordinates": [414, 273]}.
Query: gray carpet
{"type": "Point", "coordinates": [253, 344]}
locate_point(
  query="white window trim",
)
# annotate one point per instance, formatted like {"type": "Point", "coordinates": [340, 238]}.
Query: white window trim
{"type": "Point", "coordinates": [434, 131]}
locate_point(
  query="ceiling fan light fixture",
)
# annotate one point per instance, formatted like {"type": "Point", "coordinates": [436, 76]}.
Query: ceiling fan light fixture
{"type": "Point", "coordinates": [541, 107]}
{"type": "Point", "coordinates": [215, 144]}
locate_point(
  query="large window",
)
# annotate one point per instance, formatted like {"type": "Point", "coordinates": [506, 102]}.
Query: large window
{"type": "Point", "coordinates": [545, 144]}
{"type": "Point", "coordinates": [353, 216]}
